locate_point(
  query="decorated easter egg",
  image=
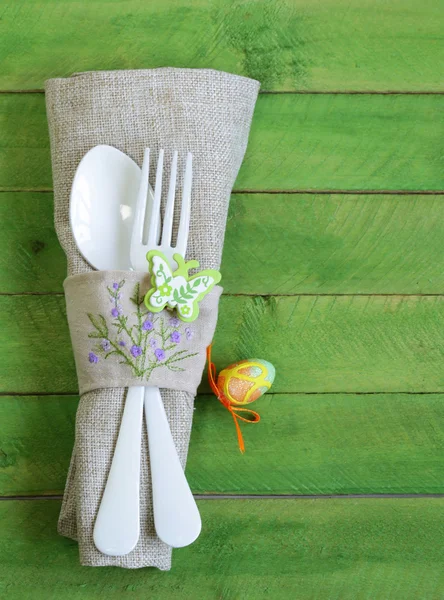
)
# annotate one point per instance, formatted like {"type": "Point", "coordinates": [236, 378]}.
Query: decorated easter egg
{"type": "Point", "coordinates": [246, 381]}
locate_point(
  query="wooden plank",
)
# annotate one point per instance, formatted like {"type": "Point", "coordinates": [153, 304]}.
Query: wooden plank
{"type": "Point", "coordinates": [352, 244]}
{"type": "Point", "coordinates": [32, 259]}
{"type": "Point", "coordinates": [322, 444]}
{"type": "Point", "coordinates": [319, 142]}
{"type": "Point", "coordinates": [37, 349]}
{"type": "Point", "coordinates": [249, 549]}
{"type": "Point", "coordinates": [317, 343]}
{"type": "Point", "coordinates": [24, 142]}
{"type": "Point", "coordinates": [290, 44]}
{"type": "Point", "coordinates": [36, 443]}
{"type": "Point", "coordinates": [303, 243]}
{"type": "Point", "coordinates": [304, 444]}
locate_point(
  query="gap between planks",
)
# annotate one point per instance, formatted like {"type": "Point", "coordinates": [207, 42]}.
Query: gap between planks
{"type": "Point", "coordinates": [270, 295]}
{"type": "Point", "coordinates": [298, 92]}
{"type": "Point", "coordinates": [263, 497]}
{"type": "Point", "coordinates": [276, 192]}
{"type": "Point", "coordinates": [404, 393]}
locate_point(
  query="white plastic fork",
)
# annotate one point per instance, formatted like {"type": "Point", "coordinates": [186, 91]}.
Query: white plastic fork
{"type": "Point", "coordinates": [176, 516]}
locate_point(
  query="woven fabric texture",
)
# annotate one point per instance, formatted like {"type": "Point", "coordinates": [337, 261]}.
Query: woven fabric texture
{"type": "Point", "coordinates": [203, 111]}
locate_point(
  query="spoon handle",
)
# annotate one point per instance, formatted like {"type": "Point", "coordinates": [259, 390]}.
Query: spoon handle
{"type": "Point", "coordinates": [176, 516]}
{"type": "Point", "coordinates": [116, 530]}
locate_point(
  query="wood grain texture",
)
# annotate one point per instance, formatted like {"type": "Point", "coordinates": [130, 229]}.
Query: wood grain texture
{"type": "Point", "coordinates": [317, 343]}
{"type": "Point", "coordinates": [301, 244]}
{"type": "Point", "coordinates": [319, 142]}
{"type": "Point", "coordinates": [334, 244]}
{"type": "Point", "coordinates": [304, 444]}
{"type": "Point", "coordinates": [36, 443]}
{"type": "Point", "coordinates": [24, 142]}
{"type": "Point", "coordinates": [251, 550]}
{"type": "Point", "coordinates": [286, 44]}
{"type": "Point", "coordinates": [32, 259]}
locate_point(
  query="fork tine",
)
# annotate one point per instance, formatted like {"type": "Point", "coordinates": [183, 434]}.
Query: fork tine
{"type": "Point", "coordinates": [139, 219]}
{"type": "Point", "coordinates": [154, 217]}
{"type": "Point", "coordinates": [169, 208]}
{"type": "Point", "coordinates": [184, 223]}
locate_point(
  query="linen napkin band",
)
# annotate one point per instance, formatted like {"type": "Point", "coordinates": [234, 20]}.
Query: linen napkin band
{"type": "Point", "coordinates": [118, 342]}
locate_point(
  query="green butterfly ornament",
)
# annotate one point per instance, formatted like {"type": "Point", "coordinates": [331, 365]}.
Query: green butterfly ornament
{"type": "Point", "coordinates": [178, 289]}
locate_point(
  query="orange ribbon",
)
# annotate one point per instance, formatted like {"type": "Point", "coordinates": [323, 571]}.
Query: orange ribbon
{"type": "Point", "coordinates": [234, 410]}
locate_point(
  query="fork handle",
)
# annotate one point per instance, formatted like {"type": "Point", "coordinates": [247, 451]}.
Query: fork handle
{"type": "Point", "coordinates": [176, 516]}
{"type": "Point", "coordinates": [116, 530]}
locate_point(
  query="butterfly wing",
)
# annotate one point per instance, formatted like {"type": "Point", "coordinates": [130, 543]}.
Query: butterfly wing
{"type": "Point", "coordinates": [161, 279]}
{"type": "Point", "coordinates": [175, 290]}
{"type": "Point", "coordinates": [194, 291]}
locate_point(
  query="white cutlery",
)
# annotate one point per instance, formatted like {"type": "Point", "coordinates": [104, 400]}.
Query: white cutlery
{"type": "Point", "coordinates": [106, 226]}
{"type": "Point", "coordinates": [176, 516]}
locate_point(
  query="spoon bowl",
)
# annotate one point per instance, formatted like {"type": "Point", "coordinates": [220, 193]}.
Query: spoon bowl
{"type": "Point", "coordinates": [102, 204]}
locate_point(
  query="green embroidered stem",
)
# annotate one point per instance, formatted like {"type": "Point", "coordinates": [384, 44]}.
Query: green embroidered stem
{"type": "Point", "coordinates": [121, 320]}
{"type": "Point", "coordinates": [123, 327]}
{"type": "Point", "coordinates": [100, 325]}
{"type": "Point", "coordinates": [127, 360]}
{"type": "Point", "coordinates": [148, 371]}
{"type": "Point", "coordinates": [136, 300]}
{"type": "Point", "coordinates": [145, 351]}
{"type": "Point", "coordinates": [176, 358]}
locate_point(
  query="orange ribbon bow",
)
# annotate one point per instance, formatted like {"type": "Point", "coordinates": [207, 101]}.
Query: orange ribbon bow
{"type": "Point", "coordinates": [254, 417]}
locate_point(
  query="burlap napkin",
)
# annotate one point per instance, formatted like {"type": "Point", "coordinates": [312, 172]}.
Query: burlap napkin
{"type": "Point", "coordinates": [203, 111]}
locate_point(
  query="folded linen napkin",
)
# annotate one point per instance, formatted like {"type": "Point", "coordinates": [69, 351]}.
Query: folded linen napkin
{"type": "Point", "coordinates": [203, 111]}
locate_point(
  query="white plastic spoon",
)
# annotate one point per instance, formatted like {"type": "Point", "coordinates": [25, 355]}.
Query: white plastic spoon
{"type": "Point", "coordinates": [102, 204]}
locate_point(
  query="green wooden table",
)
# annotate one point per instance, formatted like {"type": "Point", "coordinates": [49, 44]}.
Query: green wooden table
{"type": "Point", "coordinates": [341, 492]}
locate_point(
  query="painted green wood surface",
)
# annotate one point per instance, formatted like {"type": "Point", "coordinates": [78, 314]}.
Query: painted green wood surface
{"type": "Point", "coordinates": [32, 259]}
{"type": "Point", "coordinates": [317, 343]}
{"type": "Point", "coordinates": [249, 550]}
{"type": "Point", "coordinates": [302, 243]}
{"type": "Point", "coordinates": [307, 443]}
{"type": "Point", "coordinates": [319, 142]}
{"type": "Point", "coordinates": [304, 444]}
{"type": "Point", "coordinates": [290, 44]}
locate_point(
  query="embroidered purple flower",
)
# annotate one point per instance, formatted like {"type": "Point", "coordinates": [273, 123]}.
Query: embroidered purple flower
{"type": "Point", "coordinates": [147, 325]}
{"type": "Point", "coordinates": [188, 333]}
{"type": "Point", "coordinates": [119, 295]}
{"type": "Point", "coordinates": [175, 337]}
{"type": "Point", "coordinates": [93, 358]}
{"type": "Point", "coordinates": [122, 343]}
{"type": "Point", "coordinates": [160, 354]}
{"type": "Point", "coordinates": [149, 316]}
{"type": "Point", "coordinates": [115, 286]}
{"type": "Point", "coordinates": [136, 351]}
{"type": "Point", "coordinates": [116, 311]}
{"type": "Point", "coordinates": [153, 343]}
{"type": "Point", "coordinates": [105, 345]}
{"type": "Point", "coordinates": [174, 322]}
